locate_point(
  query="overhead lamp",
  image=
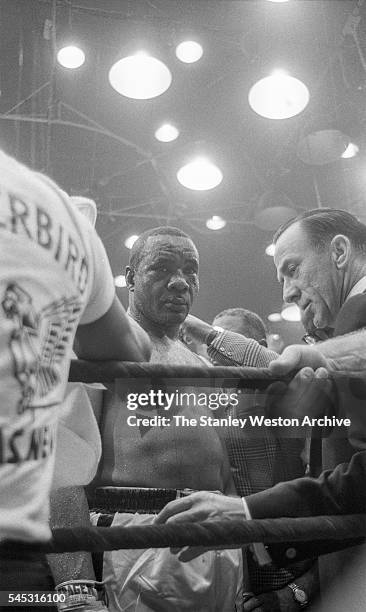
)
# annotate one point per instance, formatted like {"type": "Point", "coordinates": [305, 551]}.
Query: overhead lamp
{"type": "Point", "coordinates": [140, 76]}
{"type": "Point", "coordinates": [275, 317]}
{"type": "Point", "coordinates": [270, 250]}
{"type": "Point", "coordinates": [189, 51]}
{"type": "Point", "coordinates": [291, 313]}
{"type": "Point", "coordinates": [71, 57]}
{"type": "Point", "coordinates": [278, 1]}
{"type": "Point", "coordinates": [130, 241]}
{"type": "Point", "coordinates": [200, 174]}
{"type": "Point", "coordinates": [166, 133]}
{"type": "Point", "coordinates": [120, 281]}
{"type": "Point", "coordinates": [215, 223]}
{"type": "Point", "coordinates": [273, 209]}
{"type": "Point", "coordinates": [351, 151]}
{"type": "Point", "coordinates": [278, 96]}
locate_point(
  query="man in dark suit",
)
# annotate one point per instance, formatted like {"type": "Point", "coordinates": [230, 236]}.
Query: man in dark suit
{"type": "Point", "coordinates": [320, 258]}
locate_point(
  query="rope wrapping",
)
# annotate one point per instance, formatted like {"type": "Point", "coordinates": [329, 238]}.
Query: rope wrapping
{"type": "Point", "coordinates": [108, 371]}
{"type": "Point", "coordinates": [209, 533]}
{"type": "Point", "coordinates": [245, 377]}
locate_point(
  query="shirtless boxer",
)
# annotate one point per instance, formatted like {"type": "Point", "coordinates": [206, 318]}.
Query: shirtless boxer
{"type": "Point", "coordinates": [163, 280]}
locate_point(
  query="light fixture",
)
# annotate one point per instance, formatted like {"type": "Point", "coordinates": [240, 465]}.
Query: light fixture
{"type": "Point", "coordinates": [351, 151]}
{"type": "Point", "coordinates": [274, 317]}
{"type": "Point", "coordinates": [215, 223]}
{"type": "Point", "coordinates": [189, 51]}
{"type": "Point", "coordinates": [273, 209]}
{"type": "Point", "coordinates": [166, 133]}
{"type": "Point", "coordinates": [278, 96]}
{"type": "Point", "coordinates": [130, 241]}
{"type": "Point", "coordinates": [140, 76]}
{"type": "Point", "coordinates": [278, 1]}
{"type": "Point", "coordinates": [71, 57]}
{"type": "Point", "coordinates": [120, 281]}
{"type": "Point", "coordinates": [200, 174]}
{"type": "Point", "coordinates": [270, 250]}
{"type": "Point", "coordinates": [291, 313]}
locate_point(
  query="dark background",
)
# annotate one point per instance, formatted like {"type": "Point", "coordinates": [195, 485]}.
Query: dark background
{"type": "Point", "coordinates": [132, 177]}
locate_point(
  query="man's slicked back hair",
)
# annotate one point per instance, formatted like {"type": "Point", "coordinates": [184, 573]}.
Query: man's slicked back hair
{"type": "Point", "coordinates": [251, 322]}
{"type": "Point", "coordinates": [322, 224]}
{"type": "Point", "coordinates": [138, 249]}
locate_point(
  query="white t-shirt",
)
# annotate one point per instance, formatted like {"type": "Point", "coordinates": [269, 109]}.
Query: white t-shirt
{"type": "Point", "coordinates": [54, 273]}
{"type": "Point", "coordinates": [79, 446]}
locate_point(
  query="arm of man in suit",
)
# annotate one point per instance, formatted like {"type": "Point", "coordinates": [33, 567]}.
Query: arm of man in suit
{"type": "Point", "coordinates": [344, 353]}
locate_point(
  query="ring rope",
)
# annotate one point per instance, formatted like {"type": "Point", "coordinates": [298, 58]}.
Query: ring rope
{"type": "Point", "coordinates": [208, 533]}
{"type": "Point", "coordinates": [108, 371]}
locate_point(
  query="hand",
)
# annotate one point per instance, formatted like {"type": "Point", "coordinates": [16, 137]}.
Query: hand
{"type": "Point", "coordinates": [273, 601]}
{"type": "Point", "coordinates": [297, 356]}
{"type": "Point", "coordinates": [308, 394]}
{"type": "Point", "coordinates": [195, 329]}
{"type": "Point", "coordinates": [201, 506]}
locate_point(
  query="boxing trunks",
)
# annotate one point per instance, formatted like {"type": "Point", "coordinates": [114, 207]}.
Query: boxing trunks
{"type": "Point", "coordinates": [155, 579]}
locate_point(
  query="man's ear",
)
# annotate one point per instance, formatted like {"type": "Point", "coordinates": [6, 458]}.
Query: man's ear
{"type": "Point", "coordinates": [130, 278]}
{"type": "Point", "coordinates": [341, 250]}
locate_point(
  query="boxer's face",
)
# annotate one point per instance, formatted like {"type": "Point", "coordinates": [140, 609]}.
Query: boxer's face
{"type": "Point", "coordinates": [308, 278]}
{"type": "Point", "coordinates": [166, 280]}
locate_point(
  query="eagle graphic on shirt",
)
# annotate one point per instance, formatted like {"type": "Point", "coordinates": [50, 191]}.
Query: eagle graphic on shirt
{"type": "Point", "coordinates": [38, 342]}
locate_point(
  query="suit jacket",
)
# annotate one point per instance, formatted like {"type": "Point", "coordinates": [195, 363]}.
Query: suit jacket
{"type": "Point", "coordinates": [351, 316]}
{"type": "Point", "coordinates": [338, 491]}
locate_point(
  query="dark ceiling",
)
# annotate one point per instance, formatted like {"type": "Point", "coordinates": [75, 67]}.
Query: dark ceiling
{"type": "Point", "coordinates": [114, 158]}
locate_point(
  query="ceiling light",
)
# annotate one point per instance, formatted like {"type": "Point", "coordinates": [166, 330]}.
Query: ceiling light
{"type": "Point", "coordinates": [71, 57]}
{"type": "Point", "coordinates": [278, 96]}
{"type": "Point", "coordinates": [270, 250]}
{"type": "Point", "coordinates": [291, 313]}
{"type": "Point", "coordinates": [274, 317]}
{"type": "Point", "coordinates": [351, 151]}
{"type": "Point", "coordinates": [200, 174]}
{"type": "Point", "coordinates": [166, 133]}
{"type": "Point", "coordinates": [215, 223]}
{"type": "Point", "coordinates": [140, 76]}
{"type": "Point", "coordinates": [130, 241]}
{"type": "Point", "coordinates": [278, 0]}
{"type": "Point", "coordinates": [189, 51]}
{"type": "Point", "coordinates": [120, 281]}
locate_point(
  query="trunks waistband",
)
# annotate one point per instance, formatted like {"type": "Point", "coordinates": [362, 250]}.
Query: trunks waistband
{"type": "Point", "coordinates": [142, 500]}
